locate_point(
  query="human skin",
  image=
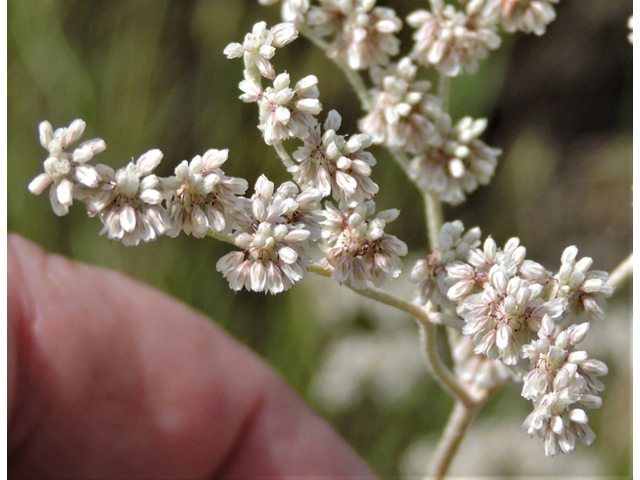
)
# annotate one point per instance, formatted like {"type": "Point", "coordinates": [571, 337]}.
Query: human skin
{"type": "Point", "coordinates": [109, 378]}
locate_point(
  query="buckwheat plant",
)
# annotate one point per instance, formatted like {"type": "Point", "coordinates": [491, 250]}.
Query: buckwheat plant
{"type": "Point", "coordinates": [508, 317]}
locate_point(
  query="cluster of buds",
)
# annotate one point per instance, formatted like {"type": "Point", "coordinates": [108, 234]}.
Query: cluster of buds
{"type": "Point", "coordinates": [520, 314]}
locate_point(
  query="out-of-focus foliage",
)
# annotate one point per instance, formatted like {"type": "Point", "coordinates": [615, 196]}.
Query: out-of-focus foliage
{"type": "Point", "coordinates": [151, 74]}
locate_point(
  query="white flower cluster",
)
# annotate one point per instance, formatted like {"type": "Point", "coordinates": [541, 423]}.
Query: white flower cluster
{"type": "Point", "coordinates": [335, 165]}
{"type": "Point", "coordinates": [456, 162]}
{"type": "Point", "coordinates": [329, 164]}
{"type": "Point", "coordinates": [519, 313]}
{"type": "Point", "coordinates": [260, 45]}
{"type": "Point", "coordinates": [62, 168]}
{"type": "Point", "coordinates": [273, 239]}
{"type": "Point", "coordinates": [403, 111]}
{"type": "Point", "coordinates": [134, 204]}
{"type": "Point", "coordinates": [361, 36]}
{"type": "Point", "coordinates": [453, 41]}
{"type": "Point", "coordinates": [529, 16]}
{"type": "Point", "coordinates": [357, 247]}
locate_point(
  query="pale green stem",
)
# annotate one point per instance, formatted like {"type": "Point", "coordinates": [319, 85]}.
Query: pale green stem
{"type": "Point", "coordinates": [622, 272]}
{"type": "Point", "coordinates": [452, 437]}
{"type": "Point", "coordinates": [433, 210]}
{"type": "Point", "coordinates": [444, 86]}
{"type": "Point", "coordinates": [441, 373]}
{"type": "Point", "coordinates": [284, 156]}
{"type": "Point", "coordinates": [448, 381]}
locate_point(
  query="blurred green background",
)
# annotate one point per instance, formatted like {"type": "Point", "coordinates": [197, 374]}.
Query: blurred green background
{"type": "Point", "coordinates": [151, 74]}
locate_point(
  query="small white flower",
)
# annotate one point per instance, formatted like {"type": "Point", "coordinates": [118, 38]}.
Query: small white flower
{"type": "Point", "coordinates": [456, 161]}
{"type": "Point", "coordinates": [284, 112]}
{"type": "Point", "coordinates": [357, 247]}
{"type": "Point", "coordinates": [62, 167]}
{"type": "Point", "coordinates": [477, 372]}
{"type": "Point", "coordinates": [630, 26]}
{"type": "Point", "coordinates": [402, 112]}
{"type": "Point", "coordinates": [260, 45]}
{"type": "Point", "coordinates": [362, 36]}
{"type": "Point", "coordinates": [272, 259]}
{"type": "Point", "coordinates": [202, 199]}
{"type": "Point", "coordinates": [451, 40]}
{"type": "Point", "coordinates": [129, 201]}
{"type": "Point", "coordinates": [336, 165]}
{"type": "Point", "coordinates": [582, 290]}
{"type": "Point", "coordinates": [442, 267]}
{"type": "Point", "coordinates": [529, 16]}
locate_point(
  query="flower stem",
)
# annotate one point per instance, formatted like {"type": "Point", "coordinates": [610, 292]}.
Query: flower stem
{"type": "Point", "coordinates": [452, 437]}
{"type": "Point", "coordinates": [433, 212]}
{"type": "Point", "coordinates": [448, 381]}
{"type": "Point", "coordinates": [622, 272]}
{"type": "Point", "coordinates": [284, 156]}
{"type": "Point", "coordinates": [444, 87]}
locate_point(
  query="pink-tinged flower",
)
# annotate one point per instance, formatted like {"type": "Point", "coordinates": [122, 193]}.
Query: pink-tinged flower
{"type": "Point", "coordinates": [202, 199]}
{"type": "Point", "coordinates": [361, 36]}
{"type": "Point", "coordinates": [403, 111]}
{"type": "Point", "coordinates": [582, 290]}
{"type": "Point", "coordinates": [445, 265]}
{"type": "Point", "coordinates": [284, 112]}
{"type": "Point", "coordinates": [529, 16]}
{"type": "Point", "coordinates": [357, 247]}
{"type": "Point", "coordinates": [335, 165]}
{"type": "Point", "coordinates": [272, 259]}
{"type": "Point", "coordinates": [456, 162]}
{"type": "Point", "coordinates": [128, 201]}
{"type": "Point", "coordinates": [453, 41]}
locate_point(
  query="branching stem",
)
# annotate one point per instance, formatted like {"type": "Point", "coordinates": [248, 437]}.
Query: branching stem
{"type": "Point", "coordinates": [452, 437]}
{"type": "Point", "coordinates": [622, 273]}
{"type": "Point", "coordinates": [284, 155]}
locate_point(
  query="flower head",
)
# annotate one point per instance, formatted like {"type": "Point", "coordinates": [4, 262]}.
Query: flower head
{"type": "Point", "coordinates": [128, 201]}
{"type": "Point", "coordinates": [202, 198]}
{"type": "Point", "coordinates": [451, 40]}
{"type": "Point", "coordinates": [363, 36]}
{"type": "Point", "coordinates": [272, 259]}
{"type": "Point", "coordinates": [61, 167]}
{"type": "Point", "coordinates": [357, 247]}
{"type": "Point", "coordinates": [285, 112]}
{"type": "Point", "coordinates": [259, 46]}
{"type": "Point", "coordinates": [529, 16]}
{"type": "Point", "coordinates": [456, 162]}
{"type": "Point", "coordinates": [403, 111]}
{"type": "Point", "coordinates": [336, 165]}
